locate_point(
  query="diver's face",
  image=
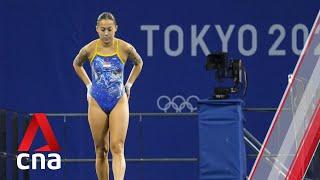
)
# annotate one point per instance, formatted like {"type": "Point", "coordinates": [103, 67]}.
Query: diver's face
{"type": "Point", "coordinates": [106, 30]}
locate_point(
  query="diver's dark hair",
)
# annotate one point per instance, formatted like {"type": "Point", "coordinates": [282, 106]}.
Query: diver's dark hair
{"type": "Point", "coordinates": [106, 16]}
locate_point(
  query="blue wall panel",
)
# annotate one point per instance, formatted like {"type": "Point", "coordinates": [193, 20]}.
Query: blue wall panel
{"type": "Point", "coordinates": [39, 39]}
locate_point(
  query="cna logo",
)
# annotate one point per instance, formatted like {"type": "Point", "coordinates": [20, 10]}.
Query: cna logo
{"type": "Point", "coordinates": [39, 120]}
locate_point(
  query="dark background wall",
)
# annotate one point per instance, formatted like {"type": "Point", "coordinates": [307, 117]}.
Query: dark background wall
{"type": "Point", "coordinates": [39, 39]}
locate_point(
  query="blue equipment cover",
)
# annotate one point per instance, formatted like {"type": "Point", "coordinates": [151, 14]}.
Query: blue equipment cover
{"type": "Point", "coordinates": [221, 140]}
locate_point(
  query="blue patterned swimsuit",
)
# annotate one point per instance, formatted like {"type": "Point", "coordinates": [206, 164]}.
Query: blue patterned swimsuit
{"type": "Point", "coordinates": [107, 78]}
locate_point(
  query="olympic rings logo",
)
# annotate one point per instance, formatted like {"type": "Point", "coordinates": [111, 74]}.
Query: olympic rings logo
{"type": "Point", "coordinates": [178, 103]}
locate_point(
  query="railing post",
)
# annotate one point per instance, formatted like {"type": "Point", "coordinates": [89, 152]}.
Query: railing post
{"type": "Point", "coordinates": [15, 145]}
{"type": "Point", "coordinates": [26, 173]}
{"type": "Point", "coordinates": [3, 144]}
{"type": "Point", "coordinates": [64, 142]}
{"type": "Point", "coordinates": [141, 140]}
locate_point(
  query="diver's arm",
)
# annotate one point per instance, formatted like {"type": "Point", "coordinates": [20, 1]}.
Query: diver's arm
{"type": "Point", "coordinates": [137, 62]}
{"type": "Point", "coordinates": [78, 66]}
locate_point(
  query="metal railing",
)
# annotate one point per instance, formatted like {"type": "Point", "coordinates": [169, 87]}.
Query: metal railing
{"type": "Point", "coordinates": [251, 141]}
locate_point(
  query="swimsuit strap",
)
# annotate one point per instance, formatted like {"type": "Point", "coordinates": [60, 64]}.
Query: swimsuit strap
{"type": "Point", "coordinates": [117, 47]}
{"type": "Point", "coordinates": [118, 52]}
{"type": "Point", "coordinates": [96, 48]}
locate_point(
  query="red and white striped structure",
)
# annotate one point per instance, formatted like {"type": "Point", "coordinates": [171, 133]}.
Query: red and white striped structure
{"type": "Point", "coordinates": [295, 130]}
